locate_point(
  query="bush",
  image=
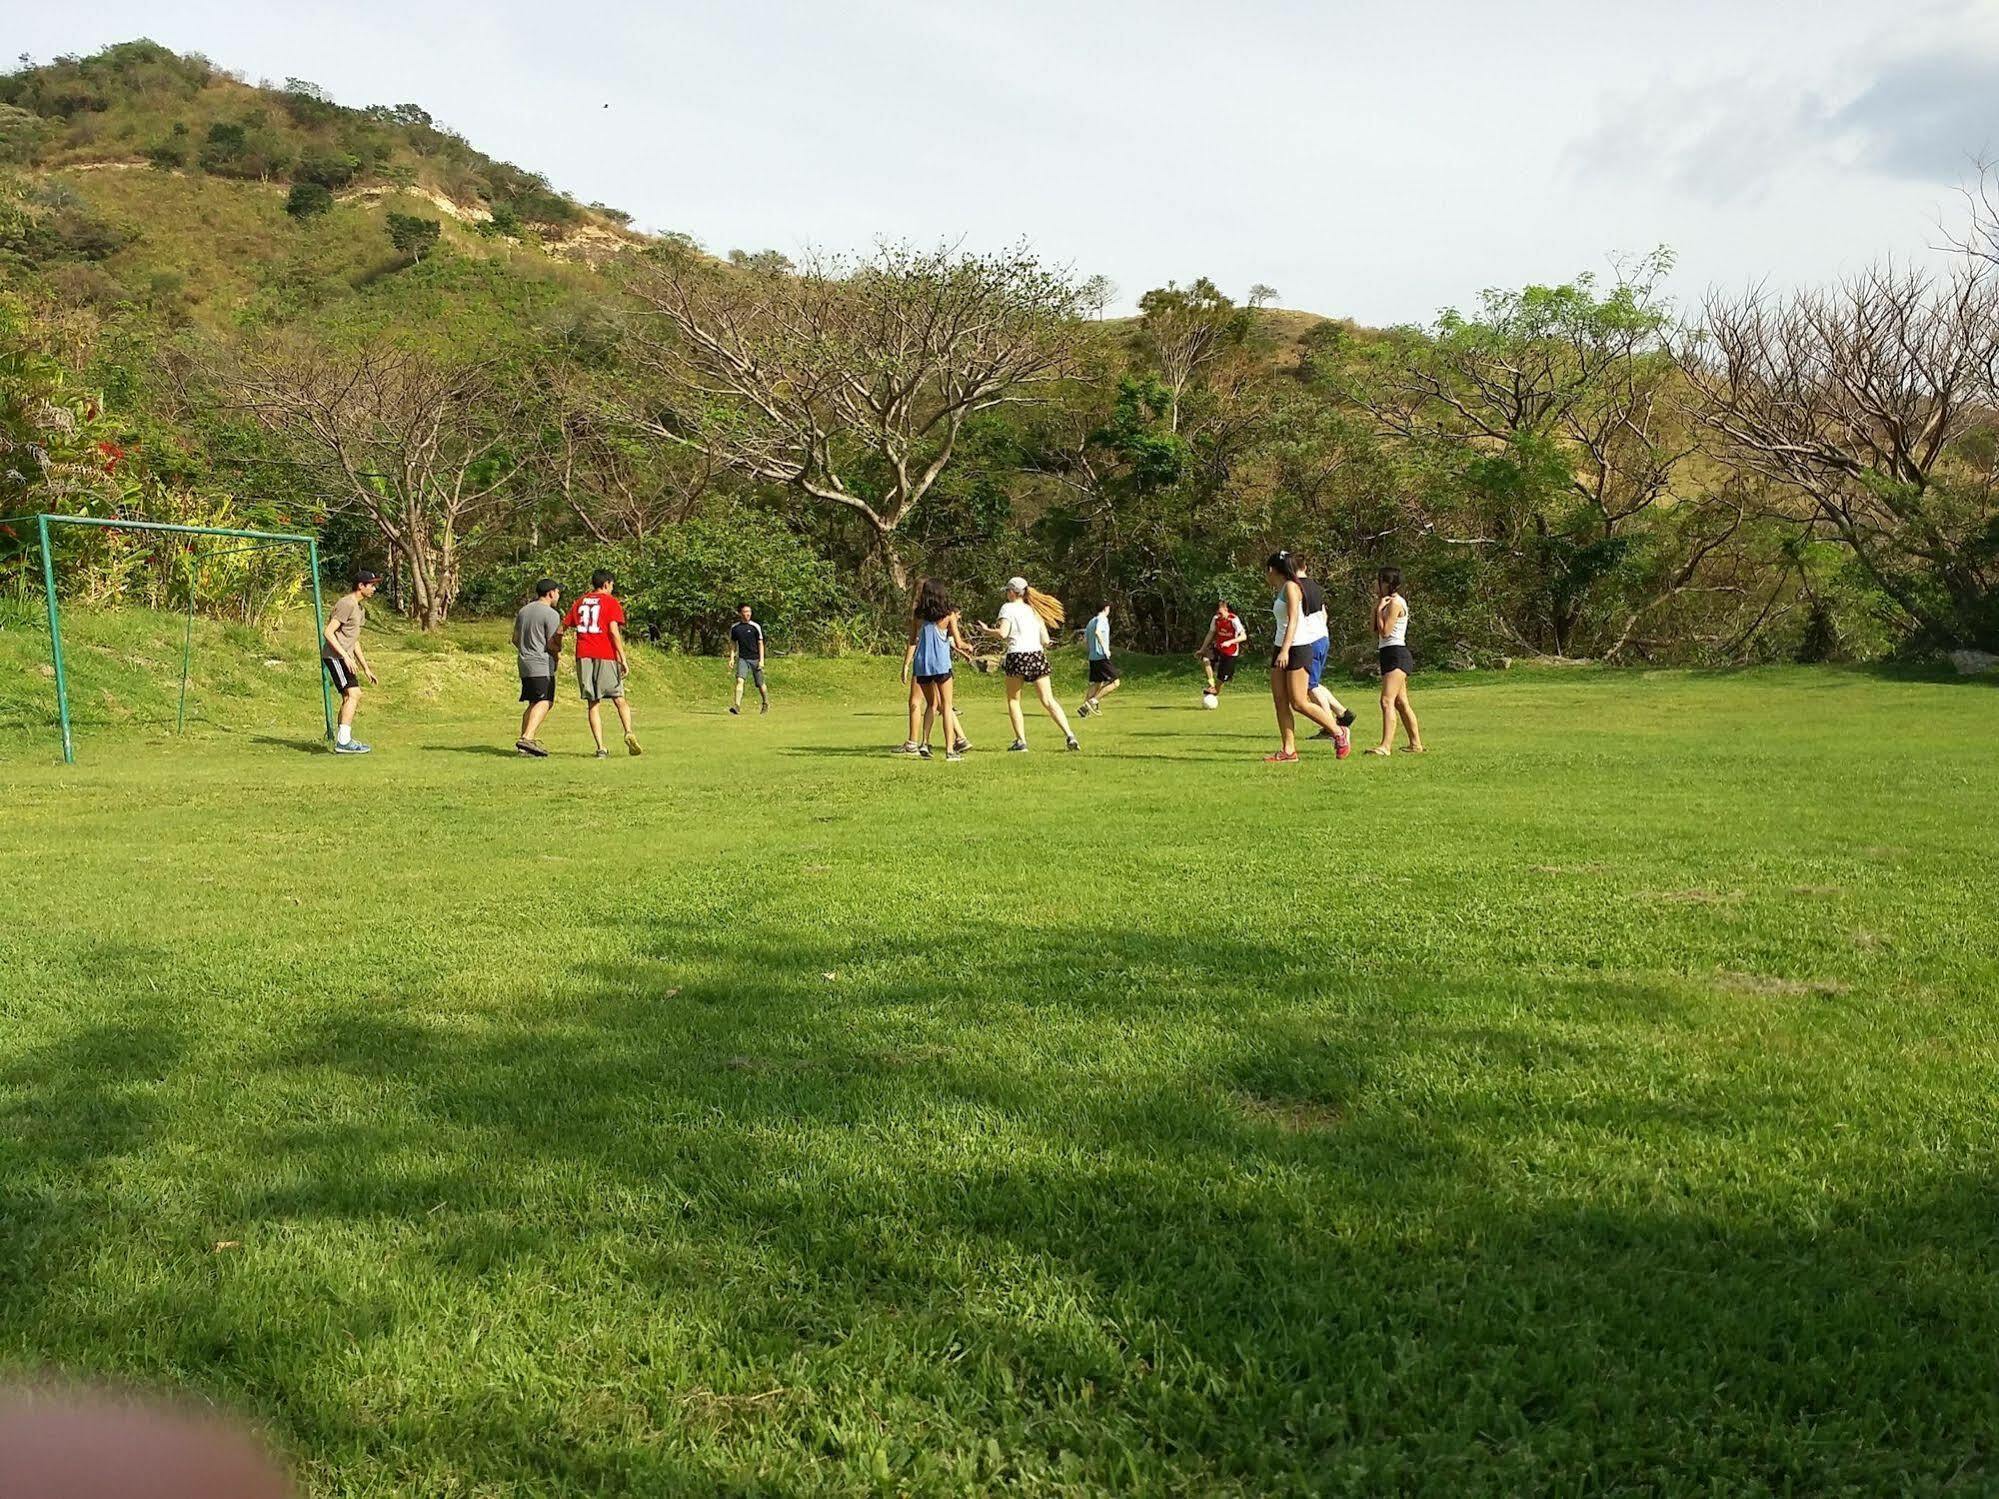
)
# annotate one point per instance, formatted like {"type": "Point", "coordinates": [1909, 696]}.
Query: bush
{"type": "Point", "coordinates": [682, 587]}
{"type": "Point", "coordinates": [412, 234]}
{"type": "Point", "coordinates": [307, 200]}
{"type": "Point", "coordinates": [327, 169]}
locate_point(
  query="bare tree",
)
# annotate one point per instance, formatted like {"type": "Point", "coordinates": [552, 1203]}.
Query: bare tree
{"type": "Point", "coordinates": [1871, 406]}
{"type": "Point", "coordinates": [848, 381]}
{"type": "Point", "coordinates": [1186, 329]}
{"type": "Point", "coordinates": [422, 447]}
{"type": "Point", "coordinates": [1553, 402]}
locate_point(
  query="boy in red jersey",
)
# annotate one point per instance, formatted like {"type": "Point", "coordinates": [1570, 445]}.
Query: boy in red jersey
{"type": "Point", "coordinates": [1221, 646]}
{"type": "Point", "coordinates": [598, 621]}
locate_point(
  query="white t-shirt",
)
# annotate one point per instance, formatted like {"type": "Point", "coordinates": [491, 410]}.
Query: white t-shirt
{"type": "Point", "coordinates": [1311, 627]}
{"type": "Point", "coordinates": [1398, 622]}
{"type": "Point", "coordinates": [1022, 627]}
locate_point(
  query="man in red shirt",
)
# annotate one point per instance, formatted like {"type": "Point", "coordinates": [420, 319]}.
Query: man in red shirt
{"type": "Point", "coordinates": [1221, 646]}
{"type": "Point", "coordinates": [598, 621]}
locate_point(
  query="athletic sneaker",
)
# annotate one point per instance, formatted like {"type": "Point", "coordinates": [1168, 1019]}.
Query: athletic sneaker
{"type": "Point", "coordinates": [763, 708]}
{"type": "Point", "coordinates": [1086, 710]}
{"type": "Point", "coordinates": [1018, 747]}
{"type": "Point", "coordinates": [1282, 757]}
{"type": "Point", "coordinates": [1346, 718]}
{"type": "Point", "coordinates": [961, 746]}
{"type": "Point", "coordinates": [1072, 743]}
{"type": "Point", "coordinates": [923, 752]}
{"type": "Point", "coordinates": [733, 708]}
{"type": "Point", "coordinates": [953, 754]}
{"type": "Point", "coordinates": [352, 747]}
{"type": "Point", "coordinates": [603, 754]}
{"type": "Point", "coordinates": [908, 747]}
{"type": "Point", "coordinates": [531, 749]}
{"type": "Point", "coordinates": [1342, 745]}
{"type": "Point", "coordinates": [632, 745]}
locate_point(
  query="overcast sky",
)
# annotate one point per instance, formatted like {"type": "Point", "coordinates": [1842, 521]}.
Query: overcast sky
{"type": "Point", "coordinates": [1368, 159]}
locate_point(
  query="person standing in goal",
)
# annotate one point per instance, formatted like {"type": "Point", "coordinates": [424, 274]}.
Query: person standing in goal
{"type": "Point", "coordinates": [746, 658]}
{"type": "Point", "coordinates": [341, 657]}
{"type": "Point", "coordinates": [599, 622]}
{"type": "Point", "coordinates": [537, 633]}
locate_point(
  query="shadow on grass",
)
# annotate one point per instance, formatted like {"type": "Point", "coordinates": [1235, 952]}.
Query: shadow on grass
{"type": "Point", "coordinates": [315, 746]}
{"type": "Point", "coordinates": [1233, 1245]}
{"type": "Point", "coordinates": [486, 751]}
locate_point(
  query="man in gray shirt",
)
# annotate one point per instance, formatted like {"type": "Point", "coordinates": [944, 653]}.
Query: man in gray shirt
{"type": "Point", "coordinates": [537, 639]}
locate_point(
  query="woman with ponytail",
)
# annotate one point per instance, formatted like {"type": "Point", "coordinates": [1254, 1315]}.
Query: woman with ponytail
{"type": "Point", "coordinates": [1299, 630]}
{"type": "Point", "coordinates": [1026, 622]}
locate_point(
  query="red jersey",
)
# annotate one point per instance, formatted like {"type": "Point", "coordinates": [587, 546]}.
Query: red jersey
{"type": "Point", "coordinates": [1225, 634]}
{"type": "Point", "coordinates": [591, 618]}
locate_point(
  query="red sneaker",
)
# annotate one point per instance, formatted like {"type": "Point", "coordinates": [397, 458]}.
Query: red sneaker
{"type": "Point", "coordinates": [1282, 757]}
{"type": "Point", "coordinates": [1342, 744]}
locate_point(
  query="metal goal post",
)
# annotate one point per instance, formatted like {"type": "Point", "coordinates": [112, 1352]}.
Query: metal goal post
{"type": "Point", "coordinates": [45, 523]}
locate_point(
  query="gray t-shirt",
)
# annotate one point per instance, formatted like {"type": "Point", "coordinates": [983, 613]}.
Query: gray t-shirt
{"type": "Point", "coordinates": [347, 616]}
{"type": "Point", "coordinates": [534, 627]}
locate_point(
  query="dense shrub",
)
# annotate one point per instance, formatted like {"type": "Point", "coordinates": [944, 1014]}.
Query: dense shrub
{"type": "Point", "coordinates": [682, 586]}
{"type": "Point", "coordinates": [307, 200]}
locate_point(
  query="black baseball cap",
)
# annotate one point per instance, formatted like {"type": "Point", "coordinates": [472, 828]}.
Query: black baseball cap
{"type": "Point", "coordinates": [364, 576]}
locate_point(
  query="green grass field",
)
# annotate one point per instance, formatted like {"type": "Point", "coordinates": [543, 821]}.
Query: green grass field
{"type": "Point", "coordinates": [1601, 1104]}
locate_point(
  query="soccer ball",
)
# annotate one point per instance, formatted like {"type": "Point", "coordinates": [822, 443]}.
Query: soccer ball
{"type": "Point", "coordinates": [1209, 700]}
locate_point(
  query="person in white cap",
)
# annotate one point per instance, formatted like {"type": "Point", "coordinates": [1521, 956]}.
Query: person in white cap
{"type": "Point", "coordinates": [1025, 620]}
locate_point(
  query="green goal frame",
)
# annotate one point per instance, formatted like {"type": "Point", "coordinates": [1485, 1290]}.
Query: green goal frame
{"type": "Point", "coordinates": [43, 525]}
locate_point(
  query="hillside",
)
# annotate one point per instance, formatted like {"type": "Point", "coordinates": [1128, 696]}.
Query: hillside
{"type": "Point", "coordinates": [139, 102]}
{"type": "Point", "coordinates": [140, 182]}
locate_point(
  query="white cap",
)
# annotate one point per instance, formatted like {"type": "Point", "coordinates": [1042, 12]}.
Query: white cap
{"type": "Point", "coordinates": [1016, 585]}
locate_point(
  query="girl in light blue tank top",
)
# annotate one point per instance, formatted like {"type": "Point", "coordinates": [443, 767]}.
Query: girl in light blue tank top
{"type": "Point", "coordinates": [933, 651]}
{"type": "Point", "coordinates": [926, 667]}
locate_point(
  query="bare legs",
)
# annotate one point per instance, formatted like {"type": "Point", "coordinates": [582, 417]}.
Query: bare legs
{"type": "Point", "coordinates": [1043, 689]}
{"type": "Point", "coordinates": [594, 712]}
{"type": "Point", "coordinates": [531, 720]}
{"type": "Point", "coordinates": [939, 708]}
{"type": "Point", "coordinates": [1291, 694]}
{"type": "Point", "coordinates": [1394, 705]}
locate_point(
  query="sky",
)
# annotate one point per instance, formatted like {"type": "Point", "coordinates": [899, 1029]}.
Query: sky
{"type": "Point", "coordinates": [1367, 159]}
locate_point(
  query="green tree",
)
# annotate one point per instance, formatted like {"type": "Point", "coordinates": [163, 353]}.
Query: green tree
{"type": "Point", "coordinates": [412, 234]}
{"type": "Point", "coordinates": [307, 200]}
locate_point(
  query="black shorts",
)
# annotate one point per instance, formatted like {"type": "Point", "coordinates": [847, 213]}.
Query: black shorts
{"type": "Point", "coordinates": [1225, 667]}
{"type": "Point", "coordinates": [1029, 666]}
{"type": "Point", "coordinates": [343, 679]}
{"type": "Point", "coordinates": [538, 689]}
{"type": "Point", "coordinates": [1300, 658]}
{"type": "Point", "coordinates": [1102, 671]}
{"type": "Point", "coordinates": [1396, 658]}
{"type": "Point", "coordinates": [932, 678]}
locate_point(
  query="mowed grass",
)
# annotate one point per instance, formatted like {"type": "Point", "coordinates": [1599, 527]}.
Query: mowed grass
{"type": "Point", "coordinates": [1603, 1103]}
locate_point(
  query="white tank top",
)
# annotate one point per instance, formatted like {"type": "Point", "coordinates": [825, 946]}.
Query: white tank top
{"type": "Point", "coordinates": [1311, 627]}
{"type": "Point", "coordinates": [1398, 630]}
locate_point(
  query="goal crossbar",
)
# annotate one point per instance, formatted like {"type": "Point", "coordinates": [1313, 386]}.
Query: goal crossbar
{"type": "Point", "coordinates": [260, 539]}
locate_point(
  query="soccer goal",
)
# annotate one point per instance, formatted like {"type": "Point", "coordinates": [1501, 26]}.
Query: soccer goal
{"type": "Point", "coordinates": [46, 525]}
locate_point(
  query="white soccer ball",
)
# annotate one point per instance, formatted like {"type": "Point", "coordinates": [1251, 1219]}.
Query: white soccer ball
{"type": "Point", "coordinates": [1209, 700]}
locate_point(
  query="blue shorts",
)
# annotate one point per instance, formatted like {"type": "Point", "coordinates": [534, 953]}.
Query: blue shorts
{"type": "Point", "coordinates": [1320, 650]}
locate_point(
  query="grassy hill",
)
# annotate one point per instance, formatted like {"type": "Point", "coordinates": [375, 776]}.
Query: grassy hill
{"type": "Point", "coordinates": [138, 181]}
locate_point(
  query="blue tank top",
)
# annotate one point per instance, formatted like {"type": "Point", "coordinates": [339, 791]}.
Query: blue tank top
{"type": "Point", "coordinates": [933, 651]}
